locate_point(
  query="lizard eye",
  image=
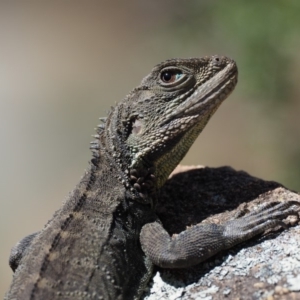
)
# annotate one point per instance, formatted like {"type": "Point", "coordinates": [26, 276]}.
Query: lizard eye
{"type": "Point", "coordinates": [170, 76]}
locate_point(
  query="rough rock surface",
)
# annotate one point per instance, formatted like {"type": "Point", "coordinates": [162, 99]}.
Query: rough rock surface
{"type": "Point", "coordinates": [265, 267]}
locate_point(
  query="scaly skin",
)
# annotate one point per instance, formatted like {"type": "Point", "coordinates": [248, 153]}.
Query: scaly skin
{"type": "Point", "coordinates": [103, 241]}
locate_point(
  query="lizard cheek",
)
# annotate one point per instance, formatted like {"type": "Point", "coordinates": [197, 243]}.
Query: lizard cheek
{"type": "Point", "coordinates": [137, 127]}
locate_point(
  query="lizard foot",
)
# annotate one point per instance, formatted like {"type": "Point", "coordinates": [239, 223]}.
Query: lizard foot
{"type": "Point", "coordinates": [268, 216]}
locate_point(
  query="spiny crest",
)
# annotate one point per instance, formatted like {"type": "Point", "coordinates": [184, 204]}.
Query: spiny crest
{"type": "Point", "coordinates": [95, 144]}
{"type": "Point", "coordinates": [101, 126]}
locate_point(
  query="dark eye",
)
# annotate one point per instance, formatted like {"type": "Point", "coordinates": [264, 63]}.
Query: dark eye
{"type": "Point", "coordinates": [170, 76]}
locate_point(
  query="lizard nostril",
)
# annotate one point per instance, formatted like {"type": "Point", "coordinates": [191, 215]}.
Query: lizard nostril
{"type": "Point", "coordinates": [218, 62]}
{"type": "Point", "coordinates": [217, 59]}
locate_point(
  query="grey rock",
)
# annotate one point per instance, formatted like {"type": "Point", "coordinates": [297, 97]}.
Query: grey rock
{"type": "Point", "coordinates": [265, 266]}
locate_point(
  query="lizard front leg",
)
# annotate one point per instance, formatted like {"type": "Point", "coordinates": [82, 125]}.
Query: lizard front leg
{"type": "Point", "coordinates": [18, 251]}
{"type": "Point", "coordinates": [202, 241]}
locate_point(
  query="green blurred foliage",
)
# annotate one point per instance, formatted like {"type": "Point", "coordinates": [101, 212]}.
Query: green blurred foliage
{"type": "Point", "coordinates": [267, 33]}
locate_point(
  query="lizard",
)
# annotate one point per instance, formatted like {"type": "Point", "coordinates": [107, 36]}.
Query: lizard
{"type": "Point", "coordinates": [106, 238]}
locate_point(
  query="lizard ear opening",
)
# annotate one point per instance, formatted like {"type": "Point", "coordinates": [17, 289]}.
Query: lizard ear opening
{"type": "Point", "coordinates": [137, 127]}
{"type": "Point", "coordinates": [134, 126]}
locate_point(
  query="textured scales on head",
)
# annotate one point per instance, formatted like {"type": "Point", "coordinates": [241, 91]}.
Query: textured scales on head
{"type": "Point", "coordinates": [148, 133]}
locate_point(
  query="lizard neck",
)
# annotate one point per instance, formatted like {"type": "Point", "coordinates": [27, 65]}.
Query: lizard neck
{"type": "Point", "coordinates": [111, 156]}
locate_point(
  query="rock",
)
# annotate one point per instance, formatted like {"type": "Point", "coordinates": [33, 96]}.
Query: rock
{"type": "Point", "coordinates": [265, 267]}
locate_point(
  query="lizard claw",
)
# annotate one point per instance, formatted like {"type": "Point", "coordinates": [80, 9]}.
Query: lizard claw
{"type": "Point", "coordinates": [265, 217]}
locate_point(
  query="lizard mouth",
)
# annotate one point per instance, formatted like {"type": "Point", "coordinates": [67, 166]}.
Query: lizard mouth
{"type": "Point", "coordinates": [207, 96]}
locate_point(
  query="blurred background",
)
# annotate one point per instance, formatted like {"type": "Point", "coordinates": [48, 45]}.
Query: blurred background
{"type": "Point", "coordinates": [64, 63]}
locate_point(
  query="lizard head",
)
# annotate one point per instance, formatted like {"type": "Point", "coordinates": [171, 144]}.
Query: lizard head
{"type": "Point", "coordinates": [154, 126]}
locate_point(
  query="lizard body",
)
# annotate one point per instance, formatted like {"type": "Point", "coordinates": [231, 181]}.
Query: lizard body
{"type": "Point", "coordinates": [102, 243]}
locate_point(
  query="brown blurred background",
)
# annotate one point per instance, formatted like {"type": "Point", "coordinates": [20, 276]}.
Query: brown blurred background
{"type": "Point", "coordinates": [63, 63]}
